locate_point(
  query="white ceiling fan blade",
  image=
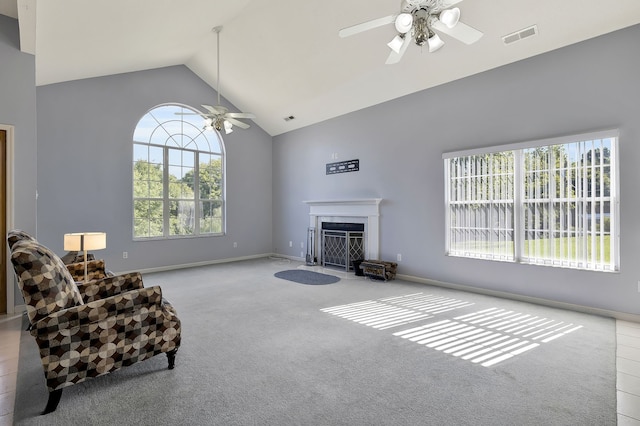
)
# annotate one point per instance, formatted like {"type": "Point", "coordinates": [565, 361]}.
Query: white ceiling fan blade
{"type": "Point", "coordinates": [355, 29]}
{"type": "Point", "coordinates": [215, 109]}
{"type": "Point", "coordinates": [394, 57]}
{"type": "Point", "coordinates": [446, 4]}
{"type": "Point", "coordinates": [240, 115]}
{"type": "Point", "coordinates": [237, 123]}
{"type": "Point", "coordinates": [461, 31]}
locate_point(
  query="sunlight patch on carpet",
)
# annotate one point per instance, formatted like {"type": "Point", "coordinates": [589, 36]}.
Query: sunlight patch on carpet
{"type": "Point", "coordinates": [486, 337]}
{"type": "Point", "coordinates": [490, 336]}
{"type": "Point", "coordinates": [396, 311]}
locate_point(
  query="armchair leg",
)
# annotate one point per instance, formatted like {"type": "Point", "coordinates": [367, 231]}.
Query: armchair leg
{"type": "Point", "coordinates": [52, 403]}
{"type": "Point", "coordinates": [171, 355]}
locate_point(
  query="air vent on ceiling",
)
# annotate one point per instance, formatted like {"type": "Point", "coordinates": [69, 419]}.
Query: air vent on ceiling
{"type": "Point", "coordinates": [521, 34]}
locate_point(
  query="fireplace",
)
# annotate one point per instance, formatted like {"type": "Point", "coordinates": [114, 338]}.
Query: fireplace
{"type": "Point", "coordinates": [341, 244]}
{"type": "Point", "coordinates": [359, 220]}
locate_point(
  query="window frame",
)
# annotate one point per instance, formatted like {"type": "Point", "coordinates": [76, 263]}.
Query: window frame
{"type": "Point", "coordinates": [519, 200]}
{"type": "Point", "coordinates": [166, 200]}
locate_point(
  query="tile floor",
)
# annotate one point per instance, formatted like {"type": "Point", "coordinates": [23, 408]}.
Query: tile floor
{"type": "Point", "coordinates": [628, 369]}
{"type": "Point", "coordinates": [9, 349]}
{"type": "Point", "coordinates": [628, 375]}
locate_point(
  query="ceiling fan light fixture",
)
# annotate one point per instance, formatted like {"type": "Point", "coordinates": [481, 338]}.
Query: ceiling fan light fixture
{"type": "Point", "coordinates": [450, 17]}
{"type": "Point", "coordinates": [228, 127]}
{"type": "Point", "coordinates": [421, 27]}
{"type": "Point", "coordinates": [435, 43]}
{"type": "Point", "coordinates": [208, 124]}
{"type": "Point", "coordinates": [218, 123]}
{"type": "Point", "coordinates": [404, 22]}
{"type": "Point", "coordinates": [396, 44]}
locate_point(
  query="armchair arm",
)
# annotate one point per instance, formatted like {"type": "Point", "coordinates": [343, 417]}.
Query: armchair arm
{"type": "Point", "coordinates": [95, 269]}
{"type": "Point", "coordinates": [110, 286]}
{"type": "Point", "coordinates": [143, 299]}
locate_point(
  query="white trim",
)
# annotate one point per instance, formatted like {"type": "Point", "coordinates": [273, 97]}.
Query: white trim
{"type": "Point", "coordinates": [196, 264]}
{"type": "Point", "coordinates": [582, 141]}
{"type": "Point", "coordinates": [602, 134]}
{"type": "Point", "coordinates": [625, 316]}
{"type": "Point", "coordinates": [9, 214]}
{"type": "Point", "coordinates": [166, 147]}
{"type": "Point", "coordinates": [366, 211]}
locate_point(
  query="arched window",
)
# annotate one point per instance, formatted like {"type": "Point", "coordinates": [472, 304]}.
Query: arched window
{"type": "Point", "coordinates": [178, 175]}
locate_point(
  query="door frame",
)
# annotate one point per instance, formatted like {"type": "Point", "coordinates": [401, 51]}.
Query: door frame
{"type": "Point", "coordinates": [9, 214]}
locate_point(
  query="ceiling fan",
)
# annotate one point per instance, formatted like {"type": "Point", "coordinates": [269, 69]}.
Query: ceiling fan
{"type": "Point", "coordinates": [218, 117]}
{"type": "Point", "coordinates": [419, 20]}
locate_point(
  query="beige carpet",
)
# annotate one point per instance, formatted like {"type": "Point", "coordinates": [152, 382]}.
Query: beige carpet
{"type": "Point", "coordinates": [258, 350]}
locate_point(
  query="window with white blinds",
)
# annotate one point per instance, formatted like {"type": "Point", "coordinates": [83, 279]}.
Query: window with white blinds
{"type": "Point", "coordinates": [551, 202]}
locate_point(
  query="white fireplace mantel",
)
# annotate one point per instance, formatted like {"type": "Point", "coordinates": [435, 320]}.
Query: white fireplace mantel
{"type": "Point", "coordinates": [365, 211]}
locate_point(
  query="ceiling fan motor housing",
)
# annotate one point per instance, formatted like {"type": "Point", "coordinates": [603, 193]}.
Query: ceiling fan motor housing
{"type": "Point", "coordinates": [420, 21]}
{"type": "Point", "coordinates": [423, 12]}
{"type": "Point", "coordinates": [421, 26]}
{"type": "Point", "coordinates": [435, 6]}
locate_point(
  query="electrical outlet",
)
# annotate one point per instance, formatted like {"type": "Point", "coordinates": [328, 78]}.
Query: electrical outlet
{"type": "Point", "coordinates": [125, 255]}
{"type": "Point", "coordinates": [638, 286]}
{"type": "Point", "coordinates": [399, 257]}
{"type": "Point", "coordinates": [301, 244]}
{"type": "Point", "coordinates": [301, 254]}
{"type": "Point", "coordinates": [235, 245]}
{"type": "Point", "coordinates": [290, 243]}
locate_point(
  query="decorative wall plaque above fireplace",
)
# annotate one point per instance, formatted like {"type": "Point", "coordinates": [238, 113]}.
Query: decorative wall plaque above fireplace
{"type": "Point", "coordinates": [343, 167]}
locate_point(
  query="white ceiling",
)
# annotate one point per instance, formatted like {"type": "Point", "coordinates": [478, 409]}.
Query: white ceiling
{"type": "Point", "coordinates": [284, 57]}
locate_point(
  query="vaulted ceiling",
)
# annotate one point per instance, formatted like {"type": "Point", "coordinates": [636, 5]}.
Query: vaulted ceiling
{"type": "Point", "coordinates": [281, 58]}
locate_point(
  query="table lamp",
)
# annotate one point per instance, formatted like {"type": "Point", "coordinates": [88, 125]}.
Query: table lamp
{"type": "Point", "coordinates": [84, 241]}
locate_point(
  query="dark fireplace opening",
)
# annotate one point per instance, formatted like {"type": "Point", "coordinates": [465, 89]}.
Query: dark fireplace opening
{"type": "Point", "coordinates": [341, 226]}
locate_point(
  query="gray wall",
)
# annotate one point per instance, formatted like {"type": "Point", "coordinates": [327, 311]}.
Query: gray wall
{"type": "Point", "coordinates": [85, 160]}
{"type": "Point", "coordinates": [589, 86]}
{"type": "Point", "coordinates": [83, 157]}
{"type": "Point", "coordinates": [18, 109]}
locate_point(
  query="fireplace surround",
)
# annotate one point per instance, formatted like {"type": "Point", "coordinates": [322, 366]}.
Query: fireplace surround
{"type": "Point", "coordinates": [355, 211]}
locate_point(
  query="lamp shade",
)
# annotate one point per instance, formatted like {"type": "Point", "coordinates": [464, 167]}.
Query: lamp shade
{"type": "Point", "coordinates": [435, 43]}
{"type": "Point", "coordinates": [450, 17]}
{"type": "Point", "coordinates": [404, 21]}
{"type": "Point", "coordinates": [79, 241]}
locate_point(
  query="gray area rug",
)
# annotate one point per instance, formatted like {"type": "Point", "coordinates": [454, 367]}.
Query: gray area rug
{"type": "Point", "coordinates": [302, 276]}
{"type": "Point", "coordinates": [256, 352]}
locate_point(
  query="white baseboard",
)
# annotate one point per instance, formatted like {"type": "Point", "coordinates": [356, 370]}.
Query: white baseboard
{"type": "Point", "coordinates": [512, 296]}
{"type": "Point", "coordinates": [624, 316]}
{"type": "Point", "coordinates": [196, 264]}
{"type": "Point", "coordinates": [284, 256]}
{"type": "Point", "coordinates": [18, 310]}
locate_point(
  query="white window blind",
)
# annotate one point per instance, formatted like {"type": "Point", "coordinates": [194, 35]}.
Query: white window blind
{"type": "Point", "coordinates": [551, 202]}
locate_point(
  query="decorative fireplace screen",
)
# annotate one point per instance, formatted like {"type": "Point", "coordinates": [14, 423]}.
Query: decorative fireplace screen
{"type": "Point", "coordinates": [342, 243]}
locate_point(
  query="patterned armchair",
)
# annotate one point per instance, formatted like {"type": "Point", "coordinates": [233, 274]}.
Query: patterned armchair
{"type": "Point", "coordinates": [94, 328]}
{"type": "Point", "coordinates": [96, 270]}
{"type": "Point", "coordinates": [74, 260]}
